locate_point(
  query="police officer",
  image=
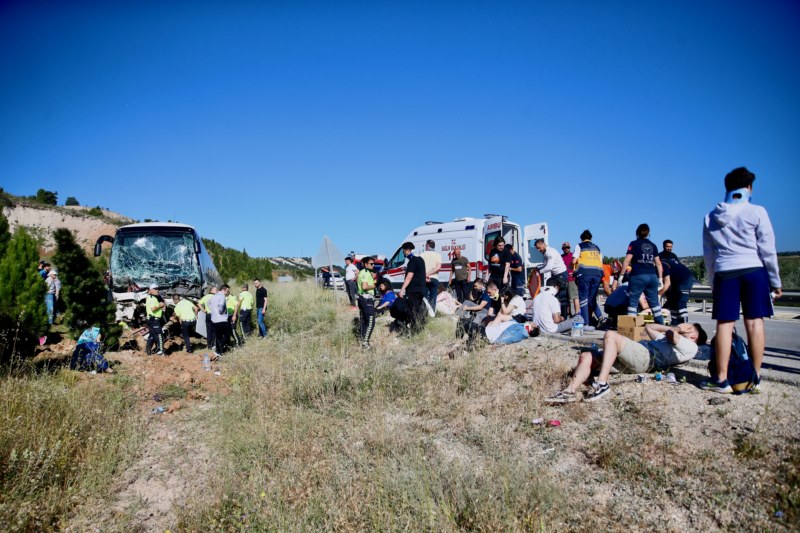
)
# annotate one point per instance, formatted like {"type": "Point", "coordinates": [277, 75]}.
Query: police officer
{"type": "Point", "coordinates": [186, 312]}
{"type": "Point", "coordinates": [366, 300]}
{"type": "Point", "coordinates": [154, 304]}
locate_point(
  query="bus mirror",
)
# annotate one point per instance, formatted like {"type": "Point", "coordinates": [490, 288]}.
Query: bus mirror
{"type": "Point", "coordinates": [98, 246]}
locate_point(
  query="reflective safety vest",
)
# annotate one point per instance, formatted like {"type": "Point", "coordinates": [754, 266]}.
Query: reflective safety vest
{"type": "Point", "coordinates": [150, 303]}
{"type": "Point", "coordinates": [590, 261]}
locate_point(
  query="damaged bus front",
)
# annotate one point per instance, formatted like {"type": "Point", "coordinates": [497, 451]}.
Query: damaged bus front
{"type": "Point", "coordinates": [169, 255]}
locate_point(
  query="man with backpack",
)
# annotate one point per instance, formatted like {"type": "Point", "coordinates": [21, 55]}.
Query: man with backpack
{"type": "Point", "coordinates": [742, 265]}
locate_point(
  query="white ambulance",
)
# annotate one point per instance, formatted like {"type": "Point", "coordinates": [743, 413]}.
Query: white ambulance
{"type": "Point", "coordinates": [475, 237]}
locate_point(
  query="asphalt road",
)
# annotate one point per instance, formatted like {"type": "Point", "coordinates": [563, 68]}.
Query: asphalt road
{"type": "Point", "coordinates": [782, 355]}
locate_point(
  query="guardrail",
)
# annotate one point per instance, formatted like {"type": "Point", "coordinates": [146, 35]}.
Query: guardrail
{"type": "Point", "coordinates": [703, 292]}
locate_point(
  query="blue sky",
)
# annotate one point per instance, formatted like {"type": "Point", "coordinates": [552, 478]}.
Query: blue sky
{"type": "Point", "coordinates": [269, 124]}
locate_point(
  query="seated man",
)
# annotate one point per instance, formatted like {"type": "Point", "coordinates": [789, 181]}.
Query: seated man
{"type": "Point", "coordinates": [668, 347]}
{"type": "Point", "coordinates": [547, 309]}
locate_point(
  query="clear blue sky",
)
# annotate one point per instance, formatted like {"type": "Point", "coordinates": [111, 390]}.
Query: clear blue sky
{"type": "Point", "coordinates": [269, 124]}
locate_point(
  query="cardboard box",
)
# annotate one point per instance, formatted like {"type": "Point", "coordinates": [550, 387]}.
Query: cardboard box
{"type": "Point", "coordinates": [627, 322]}
{"type": "Point", "coordinates": [636, 334]}
{"type": "Point", "coordinates": [632, 327]}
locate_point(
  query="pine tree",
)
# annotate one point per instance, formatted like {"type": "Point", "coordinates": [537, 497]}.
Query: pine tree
{"type": "Point", "coordinates": [83, 289]}
{"type": "Point", "coordinates": [23, 314]}
{"type": "Point", "coordinates": [5, 235]}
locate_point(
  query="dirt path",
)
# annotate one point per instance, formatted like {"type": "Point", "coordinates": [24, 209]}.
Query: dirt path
{"type": "Point", "coordinates": [174, 466]}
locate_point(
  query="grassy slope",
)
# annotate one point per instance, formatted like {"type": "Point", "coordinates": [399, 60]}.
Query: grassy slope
{"type": "Point", "coordinates": [63, 439]}
{"type": "Point", "coordinates": [317, 435]}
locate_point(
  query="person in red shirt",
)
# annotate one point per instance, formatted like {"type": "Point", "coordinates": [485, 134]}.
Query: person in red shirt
{"type": "Point", "coordinates": [572, 287]}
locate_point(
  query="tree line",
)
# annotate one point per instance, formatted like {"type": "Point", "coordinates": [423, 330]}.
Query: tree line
{"type": "Point", "coordinates": [235, 265]}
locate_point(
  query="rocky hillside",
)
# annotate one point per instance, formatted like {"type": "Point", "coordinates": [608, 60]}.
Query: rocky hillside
{"type": "Point", "coordinates": [86, 223]}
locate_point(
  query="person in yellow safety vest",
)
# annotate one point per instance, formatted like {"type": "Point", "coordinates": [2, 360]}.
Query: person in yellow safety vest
{"type": "Point", "coordinates": [587, 261]}
{"type": "Point", "coordinates": [186, 311]}
{"type": "Point", "coordinates": [245, 310]}
{"type": "Point", "coordinates": [366, 300]}
{"type": "Point", "coordinates": [203, 303]}
{"type": "Point", "coordinates": [232, 303]}
{"type": "Point", "coordinates": [154, 305]}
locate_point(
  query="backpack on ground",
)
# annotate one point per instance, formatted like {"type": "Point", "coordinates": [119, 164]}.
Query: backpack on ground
{"type": "Point", "coordinates": [741, 372]}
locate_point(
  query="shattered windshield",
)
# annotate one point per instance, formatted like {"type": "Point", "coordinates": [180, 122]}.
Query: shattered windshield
{"type": "Point", "coordinates": [142, 258]}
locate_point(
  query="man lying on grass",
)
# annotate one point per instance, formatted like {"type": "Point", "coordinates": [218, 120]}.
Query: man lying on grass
{"type": "Point", "coordinates": [669, 346]}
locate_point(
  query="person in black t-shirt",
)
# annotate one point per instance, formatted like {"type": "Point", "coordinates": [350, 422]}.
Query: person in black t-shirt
{"type": "Point", "coordinates": [413, 288]}
{"type": "Point", "coordinates": [262, 300]}
{"type": "Point", "coordinates": [515, 271]}
{"type": "Point", "coordinates": [498, 259]}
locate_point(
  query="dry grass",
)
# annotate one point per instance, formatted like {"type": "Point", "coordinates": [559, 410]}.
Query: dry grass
{"type": "Point", "coordinates": [319, 435]}
{"type": "Point", "coordinates": [62, 441]}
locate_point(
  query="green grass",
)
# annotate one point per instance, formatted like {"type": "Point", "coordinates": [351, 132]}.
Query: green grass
{"type": "Point", "coordinates": [62, 441]}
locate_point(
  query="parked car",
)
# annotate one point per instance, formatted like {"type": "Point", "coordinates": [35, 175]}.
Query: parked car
{"type": "Point", "coordinates": [337, 281]}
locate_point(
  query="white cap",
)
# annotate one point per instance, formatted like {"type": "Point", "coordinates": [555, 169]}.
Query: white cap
{"type": "Point", "coordinates": [153, 286]}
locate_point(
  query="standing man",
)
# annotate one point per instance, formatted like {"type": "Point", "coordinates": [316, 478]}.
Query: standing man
{"type": "Point", "coordinates": [203, 303]}
{"type": "Point", "coordinates": [588, 265]}
{"type": "Point", "coordinates": [232, 303]}
{"type": "Point", "coordinates": [52, 294]}
{"type": "Point", "coordinates": [154, 304]}
{"type": "Point", "coordinates": [515, 269]}
{"type": "Point", "coordinates": [498, 258]}
{"type": "Point", "coordinates": [350, 275]}
{"type": "Point", "coordinates": [219, 318]}
{"type": "Point", "coordinates": [742, 264]}
{"type": "Point", "coordinates": [245, 310]}
{"type": "Point", "coordinates": [414, 287]}
{"type": "Point", "coordinates": [572, 286]}
{"type": "Point", "coordinates": [186, 312]}
{"type": "Point", "coordinates": [460, 273]}
{"type": "Point", "coordinates": [554, 264]}
{"type": "Point", "coordinates": [666, 252]}
{"type": "Point", "coordinates": [262, 299]}
{"type": "Point", "coordinates": [366, 301]}
{"type": "Point", "coordinates": [433, 264]}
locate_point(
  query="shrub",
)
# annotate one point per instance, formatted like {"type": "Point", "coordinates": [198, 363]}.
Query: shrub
{"type": "Point", "coordinates": [21, 297]}
{"type": "Point", "coordinates": [72, 201]}
{"type": "Point", "coordinates": [84, 291]}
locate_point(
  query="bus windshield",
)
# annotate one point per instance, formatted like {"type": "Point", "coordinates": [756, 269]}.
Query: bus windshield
{"type": "Point", "coordinates": [166, 258]}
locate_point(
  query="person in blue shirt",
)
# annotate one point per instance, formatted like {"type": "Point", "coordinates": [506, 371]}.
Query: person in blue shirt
{"type": "Point", "coordinates": [388, 296]}
{"type": "Point", "coordinates": [646, 273]}
{"type": "Point", "coordinates": [678, 282]}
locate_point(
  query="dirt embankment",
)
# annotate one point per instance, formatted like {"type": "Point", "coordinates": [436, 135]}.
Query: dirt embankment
{"type": "Point", "coordinates": [41, 221]}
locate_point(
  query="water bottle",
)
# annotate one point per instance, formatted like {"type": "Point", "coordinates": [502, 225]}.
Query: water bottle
{"type": "Point", "coordinates": [206, 362]}
{"type": "Point", "coordinates": [159, 410]}
{"type": "Point", "coordinates": [577, 326]}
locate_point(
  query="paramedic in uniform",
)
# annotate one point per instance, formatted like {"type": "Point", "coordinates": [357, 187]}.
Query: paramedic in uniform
{"type": "Point", "coordinates": [587, 263]}
{"type": "Point", "coordinates": [154, 304]}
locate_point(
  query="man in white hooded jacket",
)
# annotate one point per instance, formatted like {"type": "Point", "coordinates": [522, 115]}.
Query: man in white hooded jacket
{"type": "Point", "coordinates": [742, 265]}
